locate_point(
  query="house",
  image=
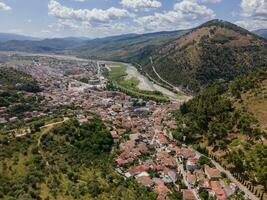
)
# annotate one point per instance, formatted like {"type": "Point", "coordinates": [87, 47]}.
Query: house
{"type": "Point", "coordinates": [135, 170]}
{"type": "Point", "coordinates": [13, 119]}
{"type": "Point", "coordinates": [189, 195]}
{"type": "Point", "coordinates": [185, 153]}
{"type": "Point", "coordinates": [3, 121]}
{"type": "Point", "coordinates": [114, 134]}
{"type": "Point", "coordinates": [135, 137]}
{"type": "Point", "coordinates": [191, 164]}
{"type": "Point", "coordinates": [230, 189]}
{"type": "Point", "coordinates": [191, 179]}
{"type": "Point", "coordinates": [120, 161]}
{"type": "Point", "coordinates": [199, 174]}
{"type": "Point", "coordinates": [128, 145]}
{"type": "Point", "coordinates": [142, 147]}
{"type": "Point", "coordinates": [212, 173]}
{"type": "Point", "coordinates": [173, 176]}
{"type": "Point", "coordinates": [145, 181]}
{"type": "Point", "coordinates": [219, 191]}
{"type": "Point", "coordinates": [161, 189]}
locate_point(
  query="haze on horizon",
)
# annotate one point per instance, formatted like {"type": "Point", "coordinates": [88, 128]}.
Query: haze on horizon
{"type": "Point", "coordinates": [100, 18]}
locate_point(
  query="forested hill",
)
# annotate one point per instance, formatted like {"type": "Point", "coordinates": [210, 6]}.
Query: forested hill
{"type": "Point", "coordinates": [127, 48]}
{"type": "Point", "coordinates": [70, 161]}
{"type": "Point", "coordinates": [228, 121]}
{"type": "Point", "coordinates": [215, 51]}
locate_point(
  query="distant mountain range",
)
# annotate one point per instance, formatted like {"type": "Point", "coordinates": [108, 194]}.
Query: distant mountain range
{"type": "Point", "coordinates": [121, 47]}
{"type": "Point", "coordinates": [128, 48]}
{"type": "Point", "coordinates": [4, 37]}
{"type": "Point", "coordinates": [191, 59]}
{"type": "Point", "coordinates": [262, 33]}
{"type": "Point", "coordinates": [42, 46]}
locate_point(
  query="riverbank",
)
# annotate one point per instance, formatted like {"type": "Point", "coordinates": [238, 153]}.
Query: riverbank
{"type": "Point", "coordinates": [127, 76]}
{"type": "Point", "coordinates": [124, 78]}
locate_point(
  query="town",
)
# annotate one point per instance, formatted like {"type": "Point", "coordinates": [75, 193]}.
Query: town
{"type": "Point", "coordinates": [142, 130]}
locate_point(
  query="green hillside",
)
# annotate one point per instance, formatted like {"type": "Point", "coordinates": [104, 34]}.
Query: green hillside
{"type": "Point", "coordinates": [69, 161]}
{"type": "Point", "coordinates": [216, 51]}
{"type": "Point", "coordinates": [127, 48]}
{"type": "Point", "coordinates": [228, 121]}
{"type": "Point", "coordinates": [14, 86]}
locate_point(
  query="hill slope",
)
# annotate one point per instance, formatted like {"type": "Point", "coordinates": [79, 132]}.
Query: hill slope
{"type": "Point", "coordinates": [214, 51]}
{"type": "Point", "coordinates": [228, 121]}
{"type": "Point", "coordinates": [128, 48]}
{"type": "Point", "coordinates": [42, 46]}
{"type": "Point", "coordinates": [68, 161]}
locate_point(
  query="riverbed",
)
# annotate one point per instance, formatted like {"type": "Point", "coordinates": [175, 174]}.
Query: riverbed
{"type": "Point", "coordinates": [146, 84]}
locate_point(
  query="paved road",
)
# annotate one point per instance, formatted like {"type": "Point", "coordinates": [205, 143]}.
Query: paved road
{"type": "Point", "coordinates": [152, 64]}
{"type": "Point", "coordinates": [248, 194]}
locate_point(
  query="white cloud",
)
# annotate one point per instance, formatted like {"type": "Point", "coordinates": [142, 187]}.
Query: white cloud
{"type": "Point", "coordinates": [253, 14]}
{"type": "Point", "coordinates": [186, 14]}
{"type": "Point", "coordinates": [210, 1]}
{"type": "Point", "coordinates": [113, 21]}
{"type": "Point", "coordinates": [141, 4]}
{"type": "Point", "coordinates": [252, 24]}
{"type": "Point", "coordinates": [92, 23]}
{"type": "Point", "coordinates": [254, 8]}
{"type": "Point", "coordinates": [193, 10]}
{"type": "Point", "coordinates": [92, 16]}
{"type": "Point", "coordinates": [3, 6]}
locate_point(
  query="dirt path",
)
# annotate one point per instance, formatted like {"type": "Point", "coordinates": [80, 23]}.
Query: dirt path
{"type": "Point", "coordinates": [48, 127]}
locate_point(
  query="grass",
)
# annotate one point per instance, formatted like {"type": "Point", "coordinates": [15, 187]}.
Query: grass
{"type": "Point", "coordinates": [118, 75]}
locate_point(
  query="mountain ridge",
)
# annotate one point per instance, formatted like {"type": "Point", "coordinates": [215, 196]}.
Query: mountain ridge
{"type": "Point", "coordinates": [4, 37]}
{"type": "Point", "coordinates": [214, 51]}
{"type": "Point", "coordinates": [261, 32]}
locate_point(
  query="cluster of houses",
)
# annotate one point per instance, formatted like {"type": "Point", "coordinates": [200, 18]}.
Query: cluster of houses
{"type": "Point", "coordinates": [146, 150]}
{"type": "Point", "coordinates": [203, 178]}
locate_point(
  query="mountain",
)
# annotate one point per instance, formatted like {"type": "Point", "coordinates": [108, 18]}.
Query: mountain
{"type": "Point", "coordinates": [262, 33]}
{"type": "Point", "coordinates": [46, 45]}
{"type": "Point", "coordinates": [228, 122]}
{"type": "Point", "coordinates": [215, 51]}
{"type": "Point", "coordinates": [4, 37]}
{"type": "Point", "coordinates": [129, 47]}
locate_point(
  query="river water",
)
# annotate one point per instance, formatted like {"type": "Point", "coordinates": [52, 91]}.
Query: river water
{"type": "Point", "coordinates": [146, 84]}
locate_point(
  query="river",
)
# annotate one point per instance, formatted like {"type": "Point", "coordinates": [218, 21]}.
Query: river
{"type": "Point", "coordinates": [146, 84]}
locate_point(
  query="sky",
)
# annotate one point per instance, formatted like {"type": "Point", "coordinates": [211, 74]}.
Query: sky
{"type": "Point", "coordinates": [101, 18]}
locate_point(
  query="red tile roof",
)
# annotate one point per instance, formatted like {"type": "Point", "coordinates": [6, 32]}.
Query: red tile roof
{"type": "Point", "coordinates": [189, 195]}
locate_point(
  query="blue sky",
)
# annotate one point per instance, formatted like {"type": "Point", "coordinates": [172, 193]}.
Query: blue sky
{"type": "Point", "coordinates": [99, 18]}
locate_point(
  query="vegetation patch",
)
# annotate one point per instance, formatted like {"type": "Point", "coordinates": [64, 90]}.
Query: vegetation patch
{"type": "Point", "coordinates": [69, 161]}
{"type": "Point", "coordinates": [118, 81]}
{"type": "Point", "coordinates": [218, 118]}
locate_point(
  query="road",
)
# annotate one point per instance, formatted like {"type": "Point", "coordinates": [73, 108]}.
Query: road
{"type": "Point", "coordinates": [50, 126]}
{"type": "Point", "coordinates": [169, 84]}
{"type": "Point", "coordinates": [248, 194]}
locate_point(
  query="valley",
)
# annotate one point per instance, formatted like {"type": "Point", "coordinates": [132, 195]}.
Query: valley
{"type": "Point", "coordinates": [139, 141]}
{"type": "Point", "coordinates": [172, 115]}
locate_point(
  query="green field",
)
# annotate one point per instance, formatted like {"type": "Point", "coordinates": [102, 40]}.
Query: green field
{"type": "Point", "coordinates": [117, 79]}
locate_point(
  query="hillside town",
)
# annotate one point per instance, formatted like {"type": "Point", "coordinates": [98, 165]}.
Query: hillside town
{"type": "Point", "coordinates": [142, 130]}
